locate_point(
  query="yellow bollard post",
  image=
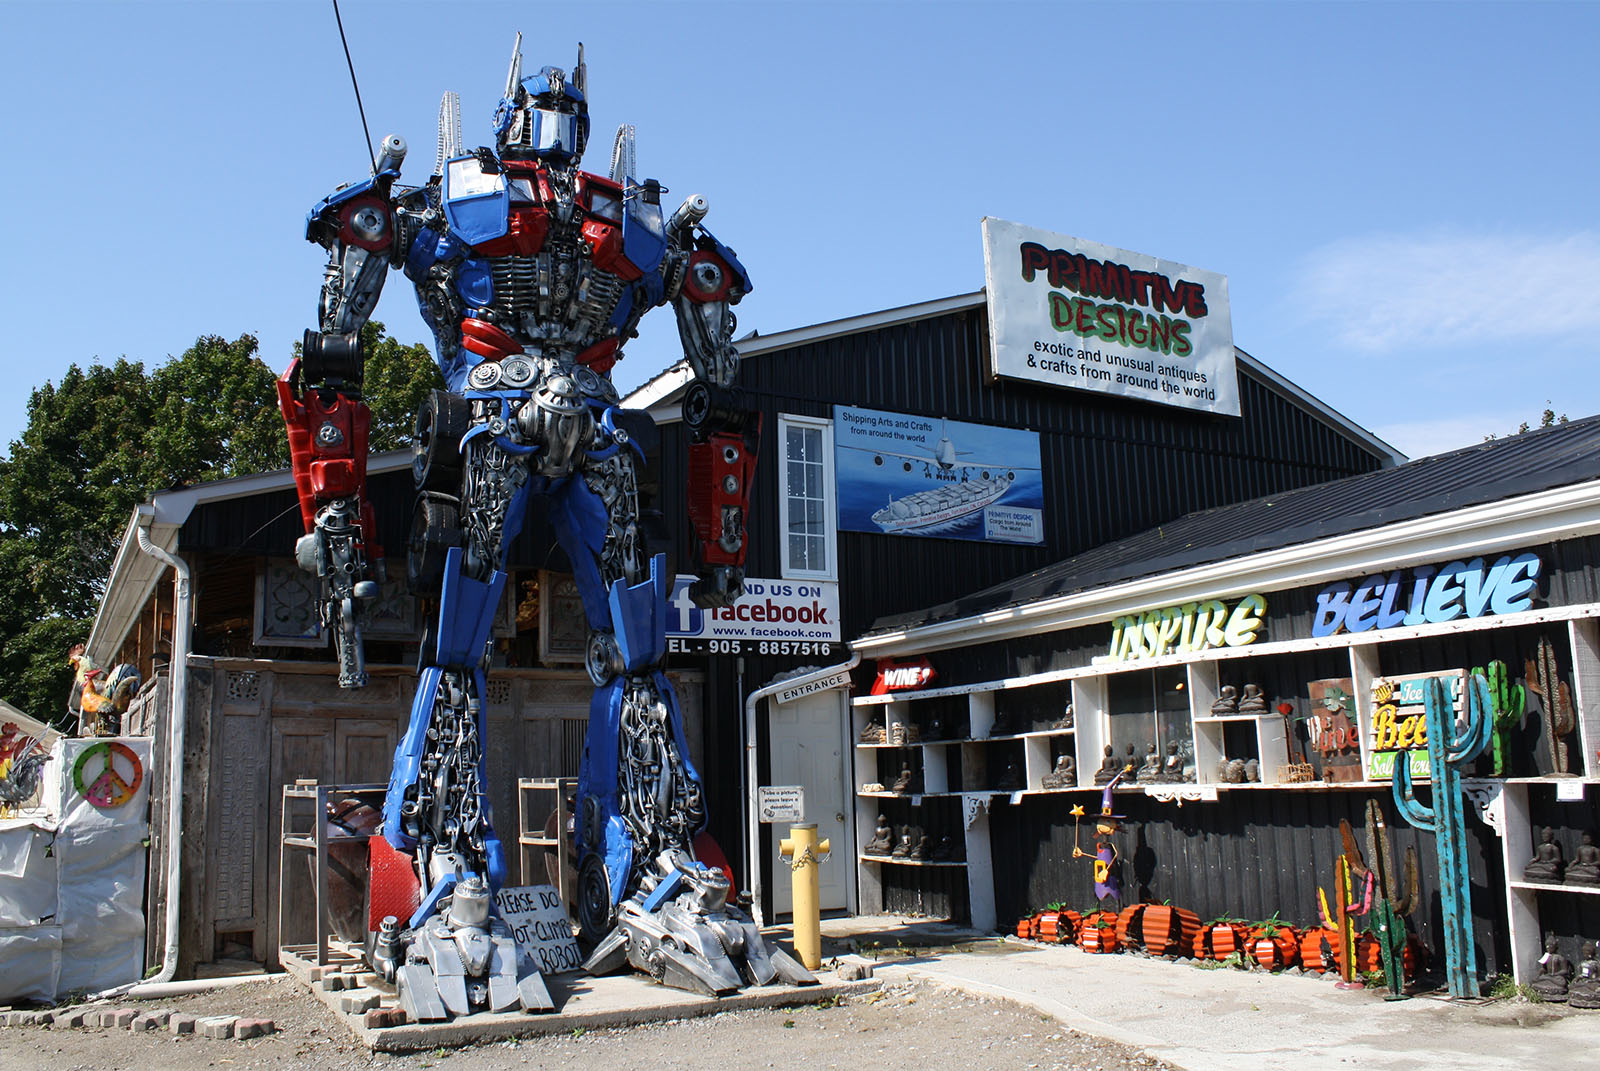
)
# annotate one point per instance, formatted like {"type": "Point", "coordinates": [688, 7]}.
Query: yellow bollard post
{"type": "Point", "coordinates": [804, 853]}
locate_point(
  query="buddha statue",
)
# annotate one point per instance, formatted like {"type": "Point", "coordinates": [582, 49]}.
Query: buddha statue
{"type": "Point", "coordinates": [1585, 869]}
{"type": "Point", "coordinates": [1546, 864]}
{"type": "Point", "coordinates": [1554, 970]}
{"type": "Point", "coordinates": [1227, 702]}
{"type": "Point", "coordinates": [1010, 779]}
{"type": "Point", "coordinates": [882, 842]}
{"type": "Point", "coordinates": [924, 847]}
{"type": "Point", "coordinates": [1150, 770]}
{"type": "Point", "coordinates": [1065, 774]}
{"type": "Point", "coordinates": [1065, 721]}
{"type": "Point", "coordinates": [903, 849]}
{"type": "Point", "coordinates": [1108, 769]}
{"type": "Point", "coordinates": [903, 782]}
{"type": "Point", "coordinates": [1584, 992]}
{"type": "Point", "coordinates": [946, 851]}
{"type": "Point", "coordinates": [1253, 701]}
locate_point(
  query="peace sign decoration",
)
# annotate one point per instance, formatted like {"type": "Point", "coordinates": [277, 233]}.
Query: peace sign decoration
{"type": "Point", "coordinates": [112, 771]}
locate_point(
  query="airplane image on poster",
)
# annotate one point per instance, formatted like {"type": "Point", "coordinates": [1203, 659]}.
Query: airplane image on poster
{"type": "Point", "coordinates": [928, 476]}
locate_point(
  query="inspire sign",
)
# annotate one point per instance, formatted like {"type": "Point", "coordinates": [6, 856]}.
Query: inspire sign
{"type": "Point", "coordinates": [1428, 595]}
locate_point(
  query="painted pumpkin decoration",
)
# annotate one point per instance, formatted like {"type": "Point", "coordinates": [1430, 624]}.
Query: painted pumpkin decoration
{"type": "Point", "coordinates": [1275, 947]}
{"type": "Point", "coordinates": [1059, 927]}
{"type": "Point", "coordinates": [1028, 927]}
{"type": "Point", "coordinates": [1168, 930]}
{"type": "Point", "coordinates": [1098, 932]}
{"type": "Point", "coordinates": [1130, 926]}
{"type": "Point", "coordinates": [1220, 940]}
{"type": "Point", "coordinates": [1319, 949]}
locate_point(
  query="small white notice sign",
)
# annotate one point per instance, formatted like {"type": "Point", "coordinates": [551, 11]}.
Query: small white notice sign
{"type": "Point", "coordinates": [539, 924]}
{"type": "Point", "coordinates": [1569, 791]}
{"type": "Point", "coordinates": [781, 803]}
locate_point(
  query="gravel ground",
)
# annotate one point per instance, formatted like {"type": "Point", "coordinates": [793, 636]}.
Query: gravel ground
{"type": "Point", "coordinates": [904, 1027]}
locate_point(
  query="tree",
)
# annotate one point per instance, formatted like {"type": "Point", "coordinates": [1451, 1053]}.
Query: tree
{"type": "Point", "coordinates": [103, 439]}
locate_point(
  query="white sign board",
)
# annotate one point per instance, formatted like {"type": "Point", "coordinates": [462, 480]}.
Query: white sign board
{"type": "Point", "coordinates": [781, 803]}
{"type": "Point", "coordinates": [539, 924]}
{"type": "Point", "coordinates": [798, 617]}
{"type": "Point", "coordinates": [1065, 312]}
{"type": "Point", "coordinates": [797, 691]}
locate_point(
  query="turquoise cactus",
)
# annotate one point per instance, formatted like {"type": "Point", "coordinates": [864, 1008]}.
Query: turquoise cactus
{"type": "Point", "coordinates": [1508, 703]}
{"type": "Point", "coordinates": [1451, 745]}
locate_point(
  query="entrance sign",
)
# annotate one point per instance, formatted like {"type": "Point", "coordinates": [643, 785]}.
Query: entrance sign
{"type": "Point", "coordinates": [781, 803]}
{"type": "Point", "coordinates": [539, 923]}
{"type": "Point", "coordinates": [1066, 312]}
{"type": "Point", "coordinates": [837, 680]}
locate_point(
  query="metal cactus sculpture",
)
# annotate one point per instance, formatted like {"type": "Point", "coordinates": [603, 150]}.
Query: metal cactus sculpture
{"type": "Point", "coordinates": [1452, 743]}
{"type": "Point", "coordinates": [1544, 679]}
{"type": "Point", "coordinates": [1388, 903]}
{"type": "Point", "coordinates": [1508, 703]}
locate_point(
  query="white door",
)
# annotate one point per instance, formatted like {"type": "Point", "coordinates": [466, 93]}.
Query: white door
{"type": "Point", "coordinates": [805, 744]}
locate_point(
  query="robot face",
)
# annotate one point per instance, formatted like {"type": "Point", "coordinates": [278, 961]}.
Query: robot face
{"type": "Point", "coordinates": [544, 116]}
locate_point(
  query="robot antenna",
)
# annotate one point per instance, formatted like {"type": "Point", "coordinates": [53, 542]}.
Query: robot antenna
{"type": "Point", "coordinates": [372, 158]}
{"type": "Point", "coordinates": [515, 74]}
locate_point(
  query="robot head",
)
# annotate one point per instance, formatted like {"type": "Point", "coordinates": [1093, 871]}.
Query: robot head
{"type": "Point", "coordinates": [543, 116]}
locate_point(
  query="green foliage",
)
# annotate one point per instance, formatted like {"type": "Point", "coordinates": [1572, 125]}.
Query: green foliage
{"type": "Point", "coordinates": [102, 439]}
{"type": "Point", "coordinates": [1547, 419]}
{"type": "Point", "coordinates": [397, 379]}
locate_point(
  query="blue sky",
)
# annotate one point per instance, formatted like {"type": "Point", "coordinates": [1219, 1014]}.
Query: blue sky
{"type": "Point", "coordinates": [1402, 196]}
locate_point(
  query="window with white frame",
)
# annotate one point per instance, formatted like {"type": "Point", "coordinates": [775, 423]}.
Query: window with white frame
{"type": "Point", "coordinates": [806, 505]}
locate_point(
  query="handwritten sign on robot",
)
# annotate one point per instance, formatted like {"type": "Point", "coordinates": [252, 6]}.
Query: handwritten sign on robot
{"type": "Point", "coordinates": [539, 924]}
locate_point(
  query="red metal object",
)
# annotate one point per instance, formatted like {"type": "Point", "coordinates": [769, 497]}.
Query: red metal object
{"type": "Point", "coordinates": [347, 233]}
{"type": "Point", "coordinates": [709, 852]}
{"type": "Point", "coordinates": [327, 450]}
{"type": "Point", "coordinates": [1276, 950]}
{"type": "Point", "coordinates": [487, 340]}
{"type": "Point", "coordinates": [527, 226]}
{"type": "Point", "coordinates": [601, 356]}
{"type": "Point", "coordinates": [691, 285]}
{"type": "Point", "coordinates": [392, 878]}
{"type": "Point", "coordinates": [1168, 930]}
{"type": "Point", "coordinates": [720, 471]}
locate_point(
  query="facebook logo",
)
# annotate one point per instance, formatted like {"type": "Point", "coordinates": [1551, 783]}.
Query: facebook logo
{"type": "Point", "coordinates": [684, 618]}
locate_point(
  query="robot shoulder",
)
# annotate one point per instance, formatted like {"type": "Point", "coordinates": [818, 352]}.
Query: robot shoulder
{"type": "Point", "coordinates": [358, 213]}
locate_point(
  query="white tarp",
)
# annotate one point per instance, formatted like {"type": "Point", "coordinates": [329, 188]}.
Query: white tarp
{"type": "Point", "coordinates": [72, 918]}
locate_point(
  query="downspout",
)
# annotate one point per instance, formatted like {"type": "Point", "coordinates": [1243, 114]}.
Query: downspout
{"type": "Point", "coordinates": [752, 774]}
{"type": "Point", "coordinates": [182, 610]}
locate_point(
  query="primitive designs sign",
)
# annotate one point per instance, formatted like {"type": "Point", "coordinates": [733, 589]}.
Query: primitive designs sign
{"type": "Point", "coordinates": [1066, 312]}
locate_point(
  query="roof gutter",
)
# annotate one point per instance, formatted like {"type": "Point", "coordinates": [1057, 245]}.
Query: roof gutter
{"type": "Point", "coordinates": [1555, 514]}
{"type": "Point", "coordinates": [182, 613]}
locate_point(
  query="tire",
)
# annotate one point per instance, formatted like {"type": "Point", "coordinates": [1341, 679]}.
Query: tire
{"type": "Point", "coordinates": [435, 528]}
{"type": "Point", "coordinates": [597, 915]}
{"type": "Point", "coordinates": [442, 420]}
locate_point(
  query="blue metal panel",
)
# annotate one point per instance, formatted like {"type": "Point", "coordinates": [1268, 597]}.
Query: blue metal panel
{"type": "Point", "coordinates": [340, 196]}
{"type": "Point", "coordinates": [597, 781]}
{"type": "Point", "coordinates": [579, 519]}
{"type": "Point", "coordinates": [407, 757]}
{"type": "Point", "coordinates": [466, 612]}
{"type": "Point", "coordinates": [474, 284]}
{"type": "Point", "coordinates": [733, 262]}
{"type": "Point", "coordinates": [644, 233]}
{"type": "Point", "coordinates": [664, 892]}
{"type": "Point", "coordinates": [431, 902]}
{"type": "Point", "coordinates": [476, 217]}
{"type": "Point", "coordinates": [637, 616]}
{"type": "Point", "coordinates": [422, 255]}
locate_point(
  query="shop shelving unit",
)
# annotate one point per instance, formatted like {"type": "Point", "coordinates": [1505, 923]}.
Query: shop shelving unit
{"type": "Point", "coordinates": [1504, 803]}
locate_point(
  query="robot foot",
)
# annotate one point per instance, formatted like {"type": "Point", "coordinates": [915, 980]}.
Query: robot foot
{"type": "Point", "coordinates": [455, 970]}
{"type": "Point", "coordinates": [685, 935]}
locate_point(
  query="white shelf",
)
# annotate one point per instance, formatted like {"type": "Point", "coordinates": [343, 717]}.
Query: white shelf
{"type": "Point", "coordinates": [1545, 886]}
{"type": "Point", "coordinates": [902, 861]}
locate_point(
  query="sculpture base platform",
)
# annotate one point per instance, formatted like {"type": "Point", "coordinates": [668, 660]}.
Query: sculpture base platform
{"type": "Point", "coordinates": [346, 985]}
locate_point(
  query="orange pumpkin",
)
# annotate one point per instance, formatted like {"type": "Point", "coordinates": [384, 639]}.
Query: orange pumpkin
{"type": "Point", "coordinates": [1277, 949]}
{"type": "Point", "coordinates": [1097, 938]}
{"type": "Point", "coordinates": [1060, 927]}
{"type": "Point", "coordinates": [1220, 940]}
{"type": "Point", "coordinates": [1312, 957]}
{"type": "Point", "coordinates": [1169, 931]}
{"type": "Point", "coordinates": [1028, 927]}
{"type": "Point", "coordinates": [1130, 926]}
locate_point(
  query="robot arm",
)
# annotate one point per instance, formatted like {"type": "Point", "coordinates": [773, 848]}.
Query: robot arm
{"type": "Point", "coordinates": [724, 436]}
{"type": "Point", "coordinates": [328, 423]}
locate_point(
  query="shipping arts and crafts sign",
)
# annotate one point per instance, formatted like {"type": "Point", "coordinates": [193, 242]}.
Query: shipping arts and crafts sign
{"type": "Point", "coordinates": [1400, 721]}
{"type": "Point", "coordinates": [1428, 595]}
{"type": "Point", "coordinates": [1065, 312]}
{"type": "Point", "coordinates": [1186, 629]}
{"type": "Point", "coordinates": [904, 475]}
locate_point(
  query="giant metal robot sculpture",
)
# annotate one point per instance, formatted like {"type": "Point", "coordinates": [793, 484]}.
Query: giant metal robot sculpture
{"type": "Point", "coordinates": [1452, 743]}
{"type": "Point", "coordinates": [532, 275]}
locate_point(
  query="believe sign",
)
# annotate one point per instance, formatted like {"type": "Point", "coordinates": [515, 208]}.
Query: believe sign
{"type": "Point", "coordinates": [1065, 312]}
